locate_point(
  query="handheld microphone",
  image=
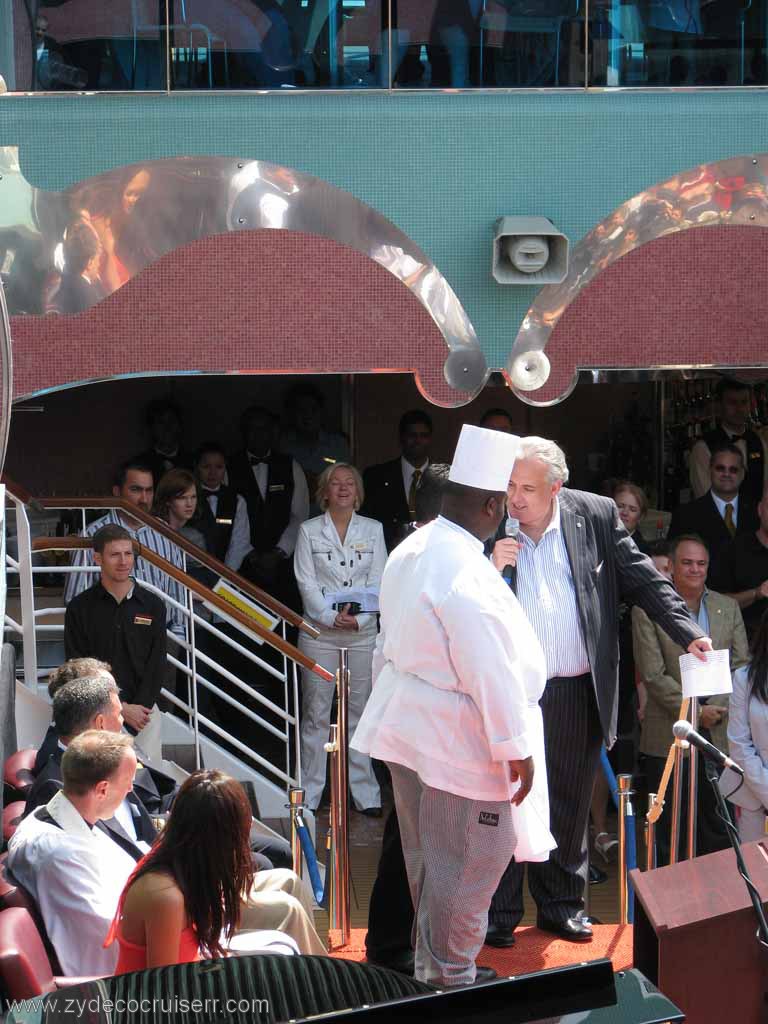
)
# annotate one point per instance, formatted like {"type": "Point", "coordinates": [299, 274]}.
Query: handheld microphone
{"type": "Point", "coordinates": [511, 530]}
{"type": "Point", "coordinates": [684, 731]}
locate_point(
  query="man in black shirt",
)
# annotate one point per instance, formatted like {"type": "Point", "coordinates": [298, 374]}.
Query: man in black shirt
{"type": "Point", "coordinates": [122, 623]}
{"type": "Point", "coordinates": [741, 571]}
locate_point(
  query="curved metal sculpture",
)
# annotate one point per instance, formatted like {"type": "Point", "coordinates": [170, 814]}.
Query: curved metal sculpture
{"type": "Point", "coordinates": [69, 250]}
{"type": "Point", "coordinates": [6, 377]}
{"type": "Point", "coordinates": [729, 192]}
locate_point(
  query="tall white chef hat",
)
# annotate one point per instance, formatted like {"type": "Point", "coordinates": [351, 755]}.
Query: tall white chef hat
{"type": "Point", "coordinates": [484, 458]}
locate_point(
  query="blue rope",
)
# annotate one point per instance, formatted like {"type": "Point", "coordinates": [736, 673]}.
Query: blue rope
{"type": "Point", "coordinates": [311, 858]}
{"type": "Point", "coordinates": [609, 775]}
{"type": "Point", "coordinates": [631, 839]}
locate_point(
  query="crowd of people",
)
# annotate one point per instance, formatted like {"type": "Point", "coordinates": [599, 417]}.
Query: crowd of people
{"type": "Point", "coordinates": [409, 566]}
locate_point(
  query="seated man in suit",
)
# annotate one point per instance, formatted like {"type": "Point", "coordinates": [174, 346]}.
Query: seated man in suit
{"type": "Point", "coordinates": [390, 488]}
{"type": "Point", "coordinates": [92, 703]}
{"type": "Point", "coordinates": [723, 512]}
{"type": "Point", "coordinates": [658, 665]}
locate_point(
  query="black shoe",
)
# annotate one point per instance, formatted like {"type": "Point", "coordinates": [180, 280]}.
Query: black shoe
{"type": "Point", "coordinates": [371, 812]}
{"type": "Point", "coordinates": [574, 929]}
{"type": "Point", "coordinates": [402, 962]}
{"type": "Point", "coordinates": [499, 937]}
{"type": "Point", "coordinates": [596, 876]}
{"type": "Point", "coordinates": [484, 974]}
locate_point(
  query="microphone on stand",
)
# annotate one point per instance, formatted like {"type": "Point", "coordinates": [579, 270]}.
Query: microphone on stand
{"type": "Point", "coordinates": [684, 731]}
{"type": "Point", "coordinates": [511, 530]}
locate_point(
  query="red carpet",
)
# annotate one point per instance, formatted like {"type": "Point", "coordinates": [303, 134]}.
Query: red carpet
{"type": "Point", "coordinates": [533, 951]}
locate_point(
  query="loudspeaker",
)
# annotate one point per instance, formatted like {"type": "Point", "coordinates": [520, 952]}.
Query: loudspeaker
{"type": "Point", "coordinates": [694, 935]}
{"type": "Point", "coordinates": [528, 250]}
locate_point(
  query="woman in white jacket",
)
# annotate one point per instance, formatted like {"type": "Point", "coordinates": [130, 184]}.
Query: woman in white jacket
{"type": "Point", "coordinates": [748, 740]}
{"type": "Point", "coordinates": [338, 551]}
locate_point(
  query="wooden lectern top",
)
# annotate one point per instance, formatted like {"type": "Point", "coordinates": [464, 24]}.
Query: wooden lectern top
{"type": "Point", "coordinates": [685, 894]}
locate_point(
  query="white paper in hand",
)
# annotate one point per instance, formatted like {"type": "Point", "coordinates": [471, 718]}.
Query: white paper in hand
{"type": "Point", "coordinates": [706, 678]}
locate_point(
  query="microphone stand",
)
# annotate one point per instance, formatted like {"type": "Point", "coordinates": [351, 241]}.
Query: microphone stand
{"type": "Point", "coordinates": [754, 895]}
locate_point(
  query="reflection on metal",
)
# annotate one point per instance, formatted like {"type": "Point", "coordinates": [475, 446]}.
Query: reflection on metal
{"type": "Point", "coordinates": [6, 376]}
{"type": "Point", "coordinates": [63, 252]}
{"type": "Point", "coordinates": [730, 192]}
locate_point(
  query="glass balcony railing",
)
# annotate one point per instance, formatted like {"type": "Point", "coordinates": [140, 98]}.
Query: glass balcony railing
{"type": "Point", "coordinates": [133, 45]}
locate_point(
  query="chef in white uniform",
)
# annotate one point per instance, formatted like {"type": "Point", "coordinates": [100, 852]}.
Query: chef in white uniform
{"type": "Point", "coordinates": [338, 552]}
{"type": "Point", "coordinates": [457, 672]}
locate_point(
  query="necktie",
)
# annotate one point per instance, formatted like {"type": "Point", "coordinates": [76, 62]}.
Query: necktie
{"type": "Point", "coordinates": [412, 492]}
{"type": "Point", "coordinates": [729, 523]}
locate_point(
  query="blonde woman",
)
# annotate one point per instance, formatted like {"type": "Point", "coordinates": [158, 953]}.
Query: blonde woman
{"type": "Point", "coordinates": [338, 551]}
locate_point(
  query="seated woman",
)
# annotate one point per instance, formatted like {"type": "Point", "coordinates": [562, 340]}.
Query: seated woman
{"type": "Point", "coordinates": [184, 900]}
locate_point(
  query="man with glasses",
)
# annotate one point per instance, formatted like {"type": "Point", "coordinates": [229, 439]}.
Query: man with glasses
{"type": "Point", "coordinates": [722, 513]}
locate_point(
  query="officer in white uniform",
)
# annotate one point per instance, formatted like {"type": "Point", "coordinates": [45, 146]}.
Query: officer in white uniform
{"type": "Point", "coordinates": [338, 551]}
{"type": "Point", "coordinates": [457, 672]}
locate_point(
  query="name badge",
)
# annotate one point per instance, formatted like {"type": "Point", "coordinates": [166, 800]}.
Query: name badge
{"type": "Point", "coordinates": [142, 620]}
{"type": "Point", "coordinates": [224, 522]}
{"type": "Point", "coordinates": [277, 487]}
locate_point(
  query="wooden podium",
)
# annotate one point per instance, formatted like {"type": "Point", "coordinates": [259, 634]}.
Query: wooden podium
{"type": "Point", "coordinates": [694, 936]}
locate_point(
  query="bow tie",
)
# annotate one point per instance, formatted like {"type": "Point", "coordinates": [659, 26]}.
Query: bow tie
{"type": "Point", "coordinates": [738, 437]}
{"type": "Point", "coordinates": [258, 460]}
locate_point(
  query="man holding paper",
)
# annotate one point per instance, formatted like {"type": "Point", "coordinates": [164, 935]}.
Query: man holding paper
{"type": "Point", "coordinates": [658, 662]}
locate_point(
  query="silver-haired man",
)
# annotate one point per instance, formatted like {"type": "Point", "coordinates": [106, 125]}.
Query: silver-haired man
{"type": "Point", "coordinates": [573, 563]}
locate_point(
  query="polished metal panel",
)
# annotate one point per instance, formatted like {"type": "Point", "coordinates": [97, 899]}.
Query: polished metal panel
{"type": "Point", "coordinates": [6, 376]}
{"type": "Point", "coordinates": [63, 252]}
{"type": "Point", "coordinates": [729, 192]}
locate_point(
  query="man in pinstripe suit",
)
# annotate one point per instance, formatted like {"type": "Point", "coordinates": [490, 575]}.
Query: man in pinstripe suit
{"type": "Point", "coordinates": [573, 563]}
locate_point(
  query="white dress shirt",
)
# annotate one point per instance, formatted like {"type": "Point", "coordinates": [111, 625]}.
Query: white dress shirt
{"type": "Point", "coordinates": [409, 470]}
{"type": "Point", "coordinates": [323, 565]}
{"type": "Point", "coordinates": [299, 501]}
{"type": "Point", "coordinates": [720, 505]}
{"type": "Point", "coordinates": [76, 875]}
{"type": "Point", "coordinates": [454, 665]}
{"type": "Point", "coordinates": [546, 591]}
{"type": "Point", "coordinates": [240, 539]}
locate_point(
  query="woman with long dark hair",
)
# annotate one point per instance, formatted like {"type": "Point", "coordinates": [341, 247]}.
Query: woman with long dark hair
{"type": "Point", "coordinates": [184, 900]}
{"type": "Point", "coordinates": [748, 739]}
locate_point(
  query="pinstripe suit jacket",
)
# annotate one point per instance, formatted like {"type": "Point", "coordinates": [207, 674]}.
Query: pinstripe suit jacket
{"type": "Point", "coordinates": [607, 568]}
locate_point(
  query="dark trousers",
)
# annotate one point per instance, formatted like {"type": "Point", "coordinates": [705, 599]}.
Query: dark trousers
{"type": "Point", "coordinates": [710, 831]}
{"type": "Point", "coordinates": [390, 914]}
{"type": "Point", "coordinates": [572, 738]}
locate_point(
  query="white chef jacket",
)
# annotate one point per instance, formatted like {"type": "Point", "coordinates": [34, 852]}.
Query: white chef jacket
{"type": "Point", "coordinates": [323, 565]}
{"type": "Point", "coordinates": [455, 669]}
{"type": "Point", "coordinates": [76, 875]}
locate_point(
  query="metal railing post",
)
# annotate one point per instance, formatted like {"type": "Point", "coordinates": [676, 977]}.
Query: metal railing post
{"type": "Point", "coordinates": [27, 596]}
{"type": "Point", "coordinates": [692, 785]}
{"type": "Point", "coordinates": [677, 800]}
{"type": "Point", "coordinates": [341, 836]}
{"type": "Point", "coordinates": [650, 837]}
{"type": "Point", "coordinates": [296, 798]}
{"type": "Point", "coordinates": [193, 677]}
{"type": "Point", "coordinates": [626, 837]}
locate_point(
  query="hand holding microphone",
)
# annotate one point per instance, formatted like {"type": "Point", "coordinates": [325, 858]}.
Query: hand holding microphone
{"type": "Point", "coordinates": [504, 555]}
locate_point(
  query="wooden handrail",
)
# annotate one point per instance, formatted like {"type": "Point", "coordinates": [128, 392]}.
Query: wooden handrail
{"type": "Point", "coordinates": [199, 554]}
{"type": "Point", "coordinates": [203, 592]}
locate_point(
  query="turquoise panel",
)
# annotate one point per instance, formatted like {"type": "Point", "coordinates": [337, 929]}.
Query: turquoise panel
{"type": "Point", "coordinates": [442, 166]}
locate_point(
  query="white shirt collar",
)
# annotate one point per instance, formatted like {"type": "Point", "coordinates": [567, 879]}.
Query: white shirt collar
{"type": "Point", "coordinates": [721, 504]}
{"type": "Point", "coordinates": [63, 811]}
{"type": "Point", "coordinates": [470, 537]}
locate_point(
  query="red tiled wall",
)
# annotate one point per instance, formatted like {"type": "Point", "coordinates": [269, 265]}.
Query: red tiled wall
{"type": "Point", "coordinates": [692, 298]}
{"type": "Point", "coordinates": [261, 301]}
